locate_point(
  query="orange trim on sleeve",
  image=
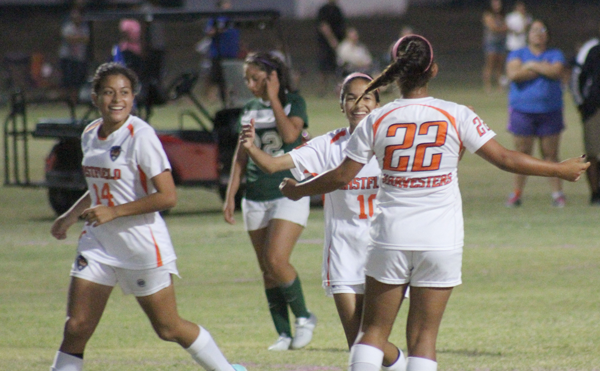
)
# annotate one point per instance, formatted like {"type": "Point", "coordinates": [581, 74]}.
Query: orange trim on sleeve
{"type": "Point", "coordinates": [338, 136]}
{"type": "Point", "coordinates": [143, 179]}
{"type": "Point", "coordinates": [130, 127]}
{"type": "Point", "coordinates": [93, 126]}
{"type": "Point", "coordinates": [308, 172]}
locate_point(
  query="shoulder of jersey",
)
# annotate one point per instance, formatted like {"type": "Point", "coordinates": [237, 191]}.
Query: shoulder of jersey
{"type": "Point", "coordinates": [337, 135]}
{"type": "Point", "coordinates": [92, 125]}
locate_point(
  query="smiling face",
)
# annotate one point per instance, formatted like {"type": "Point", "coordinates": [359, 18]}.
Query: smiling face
{"type": "Point", "coordinates": [114, 98]}
{"type": "Point", "coordinates": [368, 103]}
{"type": "Point", "coordinates": [256, 80]}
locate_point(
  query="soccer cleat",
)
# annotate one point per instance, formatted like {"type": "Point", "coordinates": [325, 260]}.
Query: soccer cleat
{"type": "Point", "coordinates": [282, 343]}
{"type": "Point", "coordinates": [239, 368]}
{"type": "Point", "coordinates": [304, 331]}
{"type": "Point", "coordinates": [513, 200]}
{"type": "Point", "coordinates": [559, 201]}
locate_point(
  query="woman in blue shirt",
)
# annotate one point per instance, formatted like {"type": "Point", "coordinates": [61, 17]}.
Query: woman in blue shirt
{"type": "Point", "coordinates": [535, 104]}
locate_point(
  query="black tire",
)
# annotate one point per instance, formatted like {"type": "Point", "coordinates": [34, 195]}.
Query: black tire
{"type": "Point", "coordinates": [62, 199]}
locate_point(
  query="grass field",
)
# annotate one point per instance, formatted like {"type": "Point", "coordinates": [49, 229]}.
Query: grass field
{"type": "Point", "coordinates": [529, 301]}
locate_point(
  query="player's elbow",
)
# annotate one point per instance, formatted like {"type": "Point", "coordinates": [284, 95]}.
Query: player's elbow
{"type": "Point", "coordinates": [168, 201]}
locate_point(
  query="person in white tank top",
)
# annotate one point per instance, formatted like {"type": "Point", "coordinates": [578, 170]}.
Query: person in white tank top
{"type": "Point", "coordinates": [417, 230]}
{"type": "Point", "coordinates": [124, 240]}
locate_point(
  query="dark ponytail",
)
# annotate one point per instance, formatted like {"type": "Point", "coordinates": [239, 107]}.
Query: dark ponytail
{"type": "Point", "coordinates": [411, 67]}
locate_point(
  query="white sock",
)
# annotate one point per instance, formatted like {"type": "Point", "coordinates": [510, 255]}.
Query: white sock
{"type": "Point", "coordinates": [420, 364]}
{"type": "Point", "coordinates": [207, 354]}
{"type": "Point", "coordinates": [365, 358]}
{"type": "Point", "coordinates": [66, 362]}
{"type": "Point", "coordinates": [399, 365]}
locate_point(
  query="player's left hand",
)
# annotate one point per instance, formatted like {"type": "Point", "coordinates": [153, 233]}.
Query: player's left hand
{"type": "Point", "coordinates": [273, 85]}
{"type": "Point", "coordinates": [99, 215]}
{"type": "Point", "coordinates": [289, 190]}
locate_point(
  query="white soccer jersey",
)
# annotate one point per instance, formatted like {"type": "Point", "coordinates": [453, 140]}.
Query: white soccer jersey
{"type": "Point", "coordinates": [348, 211]}
{"type": "Point", "coordinates": [119, 169]}
{"type": "Point", "coordinates": [417, 143]}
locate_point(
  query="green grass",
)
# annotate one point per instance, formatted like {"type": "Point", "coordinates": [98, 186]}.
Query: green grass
{"type": "Point", "coordinates": [529, 300]}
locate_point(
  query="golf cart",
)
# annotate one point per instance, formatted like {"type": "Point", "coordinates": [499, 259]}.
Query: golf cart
{"type": "Point", "coordinates": [200, 156]}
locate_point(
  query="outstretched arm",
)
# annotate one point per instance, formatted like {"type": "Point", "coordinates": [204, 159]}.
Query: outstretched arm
{"type": "Point", "coordinates": [327, 182]}
{"type": "Point", "coordinates": [238, 168]}
{"type": "Point", "coordinates": [264, 161]}
{"type": "Point", "coordinates": [520, 163]}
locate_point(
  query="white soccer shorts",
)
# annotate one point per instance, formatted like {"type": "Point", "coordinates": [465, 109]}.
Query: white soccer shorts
{"type": "Point", "coordinates": [257, 214]}
{"type": "Point", "coordinates": [440, 268]}
{"type": "Point", "coordinates": [142, 282]}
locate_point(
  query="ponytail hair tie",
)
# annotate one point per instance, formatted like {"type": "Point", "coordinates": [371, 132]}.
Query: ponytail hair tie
{"type": "Point", "coordinates": [395, 49]}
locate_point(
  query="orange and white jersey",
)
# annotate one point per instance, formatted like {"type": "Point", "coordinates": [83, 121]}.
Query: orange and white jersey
{"type": "Point", "coordinates": [417, 143]}
{"type": "Point", "coordinates": [347, 211]}
{"type": "Point", "coordinates": [118, 170]}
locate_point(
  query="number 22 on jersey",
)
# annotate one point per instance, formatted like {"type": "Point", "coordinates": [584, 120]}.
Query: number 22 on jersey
{"type": "Point", "coordinates": [418, 153]}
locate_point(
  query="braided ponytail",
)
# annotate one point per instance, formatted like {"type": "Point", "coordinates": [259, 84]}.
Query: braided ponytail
{"type": "Point", "coordinates": [411, 68]}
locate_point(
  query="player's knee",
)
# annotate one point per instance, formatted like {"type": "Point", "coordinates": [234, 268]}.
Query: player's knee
{"type": "Point", "coordinates": [167, 332]}
{"type": "Point", "coordinates": [275, 264]}
{"type": "Point", "coordinates": [79, 328]}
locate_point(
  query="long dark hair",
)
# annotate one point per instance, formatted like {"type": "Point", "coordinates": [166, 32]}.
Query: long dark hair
{"type": "Point", "coordinates": [269, 62]}
{"type": "Point", "coordinates": [411, 67]}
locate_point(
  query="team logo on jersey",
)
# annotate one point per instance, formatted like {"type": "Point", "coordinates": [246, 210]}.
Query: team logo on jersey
{"type": "Point", "coordinates": [81, 262]}
{"type": "Point", "coordinates": [141, 283]}
{"type": "Point", "coordinates": [115, 151]}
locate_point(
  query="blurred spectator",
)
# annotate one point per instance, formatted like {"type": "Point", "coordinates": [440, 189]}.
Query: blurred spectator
{"type": "Point", "coordinates": [535, 104]}
{"type": "Point", "coordinates": [222, 40]}
{"type": "Point", "coordinates": [331, 29]}
{"type": "Point", "coordinates": [517, 23]}
{"type": "Point", "coordinates": [130, 44]}
{"type": "Point", "coordinates": [154, 53]}
{"type": "Point", "coordinates": [405, 30]}
{"type": "Point", "coordinates": [75, 36]}
{"type": "Point", "coordinates": [494, 43]}
{"type": "Point", "coordinates": [585, 87]}
{"type": "Point", "coordinates": [352, 55]}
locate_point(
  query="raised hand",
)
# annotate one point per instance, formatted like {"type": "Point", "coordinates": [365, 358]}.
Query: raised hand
{"type": "Point", "coordinates": [273, 85]}
{"type": "Point", "coordinates": [247, 135]}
